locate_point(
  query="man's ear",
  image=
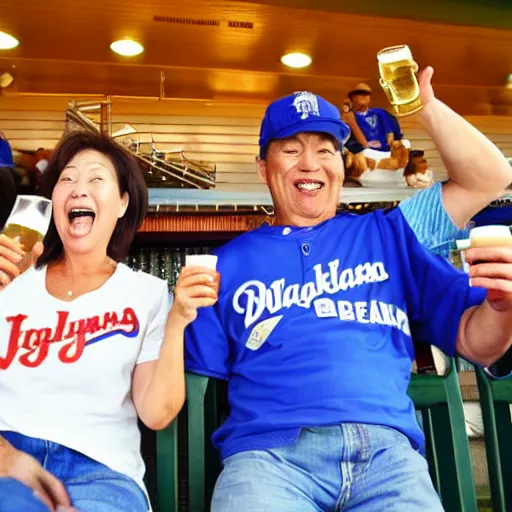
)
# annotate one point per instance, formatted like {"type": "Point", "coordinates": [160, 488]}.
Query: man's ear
{"type": "Point", "coordinates": [262, 170]}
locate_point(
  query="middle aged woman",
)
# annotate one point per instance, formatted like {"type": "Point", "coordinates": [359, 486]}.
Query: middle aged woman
{"type": "Point", "coordinates": [87, 344]}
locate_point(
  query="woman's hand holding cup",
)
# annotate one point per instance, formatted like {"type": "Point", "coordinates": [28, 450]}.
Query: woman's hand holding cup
{"type": "Point", "coordinates": [197, 287]}
{"type": "Point", "coordinates": [13, 260]}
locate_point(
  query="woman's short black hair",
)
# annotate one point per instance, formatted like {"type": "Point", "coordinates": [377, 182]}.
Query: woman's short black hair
{"type": "Point", "coordinates": [130, 179]}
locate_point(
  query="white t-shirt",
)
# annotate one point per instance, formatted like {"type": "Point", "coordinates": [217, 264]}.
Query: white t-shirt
{"type": "Point", "coordinates": [66, 367]}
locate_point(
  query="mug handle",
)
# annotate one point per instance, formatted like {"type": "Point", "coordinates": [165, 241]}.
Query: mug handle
{"type": "Point", "coordinates": [387, 90]}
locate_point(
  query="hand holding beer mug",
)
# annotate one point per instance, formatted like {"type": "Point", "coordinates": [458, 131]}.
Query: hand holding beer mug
{"type": "Point", "coordinates": [398, 79]}
{"type": "Point", "coordinates": [27, 224]}
{"type": "Point", "coordinates": [197, 287]}
{"type": "Point", "coordinates": [490, 259]}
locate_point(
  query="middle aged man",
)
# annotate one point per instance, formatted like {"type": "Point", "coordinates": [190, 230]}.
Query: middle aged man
{"type": "Point", "coordinates": [313, 332]}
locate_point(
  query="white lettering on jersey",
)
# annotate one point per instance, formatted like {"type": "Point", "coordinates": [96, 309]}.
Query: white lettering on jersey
{"type": "Point", "coordinates": [279, 295]}
{"type": "Point", "coordinates": [375, 312]}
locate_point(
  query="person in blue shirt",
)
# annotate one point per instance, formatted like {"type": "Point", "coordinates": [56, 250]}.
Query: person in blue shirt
{"type": "Point", "coordinates": [377, 126]}
{"type": "Point", "coordinates": [6, 158]}
{"type": "Point", "coordinates": [8, 180]}
{"type": "Point", "coordinates": [314, 326]}
{"type": "Point", "coordinates": [427, 214]}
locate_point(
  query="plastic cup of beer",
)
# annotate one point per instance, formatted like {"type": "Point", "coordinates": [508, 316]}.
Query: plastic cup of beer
{"type": "Point", "coordinates": [490, 236]}
{"type": "Point", "coordinates": [204, 260]}
{"type": "Point", "coordinates": [28, 221]}
{"type": "Point", "coordinates": [398, 79]}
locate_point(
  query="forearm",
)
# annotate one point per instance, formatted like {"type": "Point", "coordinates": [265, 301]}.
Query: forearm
{"type": "Point", "coordinates": [471, 159]}
{"type": "Point", "coordinates": [356, 130]}
{"type": "Point", "coordinates": [484, 334]}
{"type": "Point", "coordinates": [164, 395]}
{"type": "Point", "coordinates": [6, 451]}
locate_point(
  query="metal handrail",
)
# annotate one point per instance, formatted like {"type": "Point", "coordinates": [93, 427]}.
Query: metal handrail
{"type": "Point", "coordinates": [186, 172]}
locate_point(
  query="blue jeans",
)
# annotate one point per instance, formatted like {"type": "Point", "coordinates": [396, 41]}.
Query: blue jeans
{"type": "Point", "coordinates": [91, 486]}
{"type": "Point", "coordinates": [351, 467]}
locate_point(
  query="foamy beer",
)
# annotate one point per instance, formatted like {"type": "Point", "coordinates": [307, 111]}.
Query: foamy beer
{"type": "Point", "coordinates": [28, 221]}
{"type": "Point", "coordinates": [490, 236]}
{"type": "Point", "coordinates": [203, 260]}
{"type": "Point", "coordinates": [398, 79]}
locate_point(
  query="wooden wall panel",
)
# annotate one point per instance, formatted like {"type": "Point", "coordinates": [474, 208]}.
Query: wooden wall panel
{"type": "Point", "coordinates": [227, 142]}
{"type": "Point", "coordinates": [496, 128]}
{"type": "Point", "coordinates": [229, 138]}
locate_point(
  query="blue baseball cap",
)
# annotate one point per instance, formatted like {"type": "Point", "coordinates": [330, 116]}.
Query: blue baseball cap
{"type": "Point", "coordinates": [301, 112]}
{"type": "Point", "coordinates": [6, 159]}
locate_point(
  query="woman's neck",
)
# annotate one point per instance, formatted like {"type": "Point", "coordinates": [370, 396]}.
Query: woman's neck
{"type": "Point", "coordinates": [75, 275]}
{"type": "Point", "coordinates": [85, 264]}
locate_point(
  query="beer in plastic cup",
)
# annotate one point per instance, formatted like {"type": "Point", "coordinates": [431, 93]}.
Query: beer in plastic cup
{"type": "Point", "coordinates": [490, 236]}
{"type": "Point", "coordinates": [28, 221]}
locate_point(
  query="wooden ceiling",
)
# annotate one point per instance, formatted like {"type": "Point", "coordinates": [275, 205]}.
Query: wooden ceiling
{"type": "Point", "coordinates": [227, 50]}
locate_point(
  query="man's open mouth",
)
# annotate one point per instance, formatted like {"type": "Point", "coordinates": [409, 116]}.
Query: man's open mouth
{"type": "Point", "coordinates": [308, 185]}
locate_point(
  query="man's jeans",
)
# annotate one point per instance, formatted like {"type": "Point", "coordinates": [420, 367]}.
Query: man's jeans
{"type": "Point", "coordinates": [91, 486]}
{"type": "Point", "coordinates": [351, 467]}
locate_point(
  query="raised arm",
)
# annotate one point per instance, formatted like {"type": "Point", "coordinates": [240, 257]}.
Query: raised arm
{"type": "Point", "coordinates": [477, 170]}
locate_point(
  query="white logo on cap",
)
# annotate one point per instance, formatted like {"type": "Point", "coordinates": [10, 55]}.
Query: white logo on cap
{"type": "Point", "coordinates": [306, 104]}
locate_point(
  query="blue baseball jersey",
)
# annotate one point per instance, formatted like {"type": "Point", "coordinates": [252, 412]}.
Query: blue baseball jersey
{"type": "Point", "coordinates": [315, 326]}
{"type": "Point", "coordinates": [375, 123]}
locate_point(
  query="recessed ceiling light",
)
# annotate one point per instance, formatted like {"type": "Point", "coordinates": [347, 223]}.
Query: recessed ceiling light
{"type": "Point", "coordinates": [7, 41]}
{"type": "Point", "coordinates": [296, 60]}
{"type": "Point", "coordinates": [127, 47]}
{"type": "Point", "coordinates": [508, 85]}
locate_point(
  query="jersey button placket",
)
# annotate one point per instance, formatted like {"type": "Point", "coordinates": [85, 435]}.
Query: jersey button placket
{"type": "Point", "coordinates": [305, 248]}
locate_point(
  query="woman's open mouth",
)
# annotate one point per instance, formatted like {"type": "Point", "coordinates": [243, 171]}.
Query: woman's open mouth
{"type": "Point", "coordinates": [81, 221]}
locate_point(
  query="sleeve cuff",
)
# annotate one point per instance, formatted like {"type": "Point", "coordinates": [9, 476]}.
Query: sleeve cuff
{"type": "Point", "coordinates": [146, 358]}
{"type": "Point", "coordinates": [205, 372]}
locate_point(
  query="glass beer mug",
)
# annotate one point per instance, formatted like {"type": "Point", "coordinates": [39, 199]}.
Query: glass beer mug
{"type": "Point", "coordinates": [28, 221]}
{"type": "Point", "coordinates": [398, 79]}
